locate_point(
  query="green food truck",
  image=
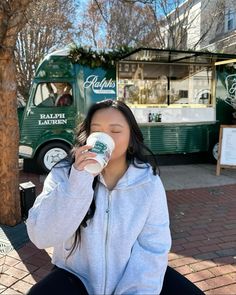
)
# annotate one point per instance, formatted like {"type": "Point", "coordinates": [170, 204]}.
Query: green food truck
{"type": "Point", "coordinates": [179, 99]}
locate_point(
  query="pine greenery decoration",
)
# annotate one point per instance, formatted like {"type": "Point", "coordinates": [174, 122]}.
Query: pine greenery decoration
{"type": "Point", "coordinates": [93, 59]}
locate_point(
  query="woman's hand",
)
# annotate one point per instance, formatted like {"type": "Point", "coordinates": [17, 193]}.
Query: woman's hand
{"type": "Point", "coordinates": [83, 157]}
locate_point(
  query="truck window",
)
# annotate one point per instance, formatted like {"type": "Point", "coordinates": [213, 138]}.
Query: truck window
{"type": "Point", "coordinates": [53, 94]}
{"type": "Point", "coordinates": [143, 83]}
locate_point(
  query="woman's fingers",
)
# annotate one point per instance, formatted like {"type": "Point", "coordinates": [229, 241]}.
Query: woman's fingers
{"type": "Point", "coordinates": [83, 157]}
{"type": "Point", "coordinates": [85, 162]}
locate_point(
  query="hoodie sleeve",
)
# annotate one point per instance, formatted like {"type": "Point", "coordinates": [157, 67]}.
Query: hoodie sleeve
{"type": "Point", "coordinates": [60, 208]}
{"type": "Point", "coordinates": [144, 273]}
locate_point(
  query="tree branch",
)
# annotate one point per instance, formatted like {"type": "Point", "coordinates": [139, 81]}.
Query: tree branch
{"type": "Point", "coordinates": [100, 9]}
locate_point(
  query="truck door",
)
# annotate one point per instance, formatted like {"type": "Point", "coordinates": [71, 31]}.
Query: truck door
{"type": "Point", "coordinates": [49, 122]}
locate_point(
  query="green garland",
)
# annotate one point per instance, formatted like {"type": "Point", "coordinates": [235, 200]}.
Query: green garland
{"type": "Point", "coordinates": [93, 59]}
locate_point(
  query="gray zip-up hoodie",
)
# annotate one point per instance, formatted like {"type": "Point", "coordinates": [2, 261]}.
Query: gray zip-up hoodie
{"type": "Point", "coordinates": [124, 248]}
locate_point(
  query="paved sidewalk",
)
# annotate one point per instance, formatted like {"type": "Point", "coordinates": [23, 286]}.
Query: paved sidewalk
{"type": "Point", "coordinates": [203, 225]}
{"type": "Point", "coordinates": [195, 176]}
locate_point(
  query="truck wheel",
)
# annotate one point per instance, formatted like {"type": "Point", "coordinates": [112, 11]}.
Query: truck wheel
{"type": "Point", "coordinates": [50, 154]}
{"type": "Point", "coordinates": [214, 153]}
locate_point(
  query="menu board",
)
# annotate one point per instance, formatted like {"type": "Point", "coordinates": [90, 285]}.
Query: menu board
{"type": "Point", "coordinates": [227, 148]}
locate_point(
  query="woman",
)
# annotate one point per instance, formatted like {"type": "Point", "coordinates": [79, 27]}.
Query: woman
{"type": "Point", "coordinates": [110, 232]}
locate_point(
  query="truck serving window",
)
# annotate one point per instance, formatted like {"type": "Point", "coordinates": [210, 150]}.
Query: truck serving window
{"type": "Point", "coordinates": [54, 94]}
{"type": "Point", "coordinates": [142, 83]}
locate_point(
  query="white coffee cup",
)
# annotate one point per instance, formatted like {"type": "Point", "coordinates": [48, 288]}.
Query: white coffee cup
{"type": "Point", "coordinates": [103, 145]}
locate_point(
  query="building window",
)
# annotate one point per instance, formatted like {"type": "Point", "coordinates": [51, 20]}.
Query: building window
{"type": "Point", "coordinates": [230, 20]}
{"type": "Point", "coordinates": [183, 93]}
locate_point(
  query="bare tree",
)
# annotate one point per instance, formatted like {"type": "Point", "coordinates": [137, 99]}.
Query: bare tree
{"type": "Point", "coordinates": [114, 23]}
{"type": "Point", "coordinates": [128, 25]}
{"type": "Point", "coordinates": [155, 23]}
{"type": "Point", "coordinates": [12, 19]}
{"type": "Point", "coordinates": [92, 25]}
{"type": "Point", "coordinates": [50, 25]}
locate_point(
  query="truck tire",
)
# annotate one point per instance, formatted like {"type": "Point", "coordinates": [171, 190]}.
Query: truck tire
{"type": "Point", "coordinates": [213, 153]}
{"type": "Point", "coordinates": [50, 154]}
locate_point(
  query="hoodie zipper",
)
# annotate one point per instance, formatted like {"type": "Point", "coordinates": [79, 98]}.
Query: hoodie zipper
{"type": "Point", "coordinates": [106, 239]}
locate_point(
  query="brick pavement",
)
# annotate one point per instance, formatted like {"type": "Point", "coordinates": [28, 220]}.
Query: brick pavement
{"type": "Point", "coordinates": [203, 225]}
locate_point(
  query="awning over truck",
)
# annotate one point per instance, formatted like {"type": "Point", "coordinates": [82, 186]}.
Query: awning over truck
{"type": "Point", "coordinates": [166, 56]}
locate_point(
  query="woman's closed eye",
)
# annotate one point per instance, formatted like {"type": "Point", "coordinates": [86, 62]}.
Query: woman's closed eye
{"type": "Point", "coordinates": [112, 130]}
{"type": "Point", "coordinates": [116, 131]}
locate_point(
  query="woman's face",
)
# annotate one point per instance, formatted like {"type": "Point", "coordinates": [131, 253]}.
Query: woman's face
{"type": "Point", "coordinates": [112, 122]}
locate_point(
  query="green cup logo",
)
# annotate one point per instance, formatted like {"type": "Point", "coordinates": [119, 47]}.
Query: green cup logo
{"type": "Point", "coordinates": [102, 145]}
{"type": "Point", "coordinates": [99, 148]}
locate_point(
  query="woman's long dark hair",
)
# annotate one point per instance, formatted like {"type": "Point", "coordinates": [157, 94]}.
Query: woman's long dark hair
{"type": "Point", "coordinates": [137, 152]}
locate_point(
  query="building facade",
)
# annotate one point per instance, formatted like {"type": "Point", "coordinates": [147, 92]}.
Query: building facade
{"type": "Point", "coordinates": [202, 25]}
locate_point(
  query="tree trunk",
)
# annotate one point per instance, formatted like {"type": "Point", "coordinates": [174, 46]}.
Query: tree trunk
{"type": "Point", "coordinates": [12, 19]}
{"type": "Point", "coordinates": [10, 213]}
